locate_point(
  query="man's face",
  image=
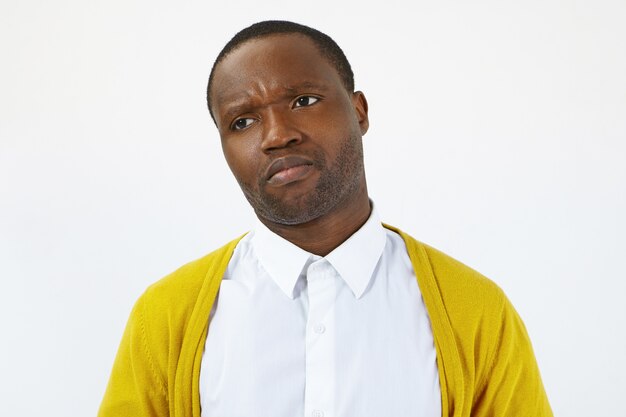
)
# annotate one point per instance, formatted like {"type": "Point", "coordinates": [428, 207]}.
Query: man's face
{"type": "Point", "coordinates": [290, 131]}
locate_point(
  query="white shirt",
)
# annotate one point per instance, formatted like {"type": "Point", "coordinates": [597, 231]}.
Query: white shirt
{"type": "Point", "coordinates": [295, 334]}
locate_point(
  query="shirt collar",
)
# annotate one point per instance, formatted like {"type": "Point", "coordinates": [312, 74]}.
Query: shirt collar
{"type": "Point", "coordinates": [357, 257]}
{"type": "Point", "coordinates": [354, 260]}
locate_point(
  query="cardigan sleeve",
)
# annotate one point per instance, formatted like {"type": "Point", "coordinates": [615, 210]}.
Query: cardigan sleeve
{"type": "Point", "coordinates": [135, 387]}
{"type": "Point", "coordinates": [511, 384]}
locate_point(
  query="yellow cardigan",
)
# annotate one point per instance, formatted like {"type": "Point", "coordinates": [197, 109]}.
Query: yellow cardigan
{"type": "Point", "coordinates": [484, 356]}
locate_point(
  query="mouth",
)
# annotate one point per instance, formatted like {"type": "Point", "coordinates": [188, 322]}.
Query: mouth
{"type": "Point", "coordinates": [288, 169]}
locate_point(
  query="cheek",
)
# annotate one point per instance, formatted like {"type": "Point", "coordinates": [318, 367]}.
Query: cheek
{"type": "Point", "coordinates": [338, 121]}
{"type": "Point", "coordinates": [242, 160]}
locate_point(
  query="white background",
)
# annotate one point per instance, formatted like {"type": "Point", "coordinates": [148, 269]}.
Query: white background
{"type": "Point", "coordinates": [498, 134]}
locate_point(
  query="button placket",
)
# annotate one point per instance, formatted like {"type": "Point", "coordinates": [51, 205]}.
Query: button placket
{"type": "Point", "coordinates": [320, 341]}
{"type": "Point", "coordinates": [319, 328]}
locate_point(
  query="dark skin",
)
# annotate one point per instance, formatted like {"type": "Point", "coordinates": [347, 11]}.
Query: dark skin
{"type": "Point", "coordinates": [292, 136]}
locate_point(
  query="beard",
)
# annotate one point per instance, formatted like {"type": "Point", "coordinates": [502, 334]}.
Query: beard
{"type": "Point", "coordinates": [336, 184]}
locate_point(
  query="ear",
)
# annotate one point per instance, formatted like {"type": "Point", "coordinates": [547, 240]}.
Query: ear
{"type": "Point", "coordinates": [360, 106]}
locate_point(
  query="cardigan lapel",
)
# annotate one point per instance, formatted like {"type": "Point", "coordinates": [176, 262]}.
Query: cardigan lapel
{"type": "Point", "coordinates": [449, 361]}
{"type": "Point", "coordinates": [187, 383]}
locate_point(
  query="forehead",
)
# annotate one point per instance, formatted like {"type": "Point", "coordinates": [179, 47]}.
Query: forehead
{"type": "Point", "coordinates": [273, 61]}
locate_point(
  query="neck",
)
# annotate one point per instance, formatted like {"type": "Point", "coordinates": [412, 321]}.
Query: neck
{"type": "Point", "coordinates": [323, 234]}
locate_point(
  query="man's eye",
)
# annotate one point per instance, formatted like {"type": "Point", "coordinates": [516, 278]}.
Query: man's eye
{"type": "Point", "coordinates": [305, 101]}
{"type": "Point", "coordinates": [242, 123]}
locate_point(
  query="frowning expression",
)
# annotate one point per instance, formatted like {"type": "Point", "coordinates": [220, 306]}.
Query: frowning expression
{"type": "Point", "coordinates": [290, 131]}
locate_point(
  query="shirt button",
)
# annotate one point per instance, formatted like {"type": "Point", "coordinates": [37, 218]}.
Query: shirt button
{"type": "Point", "coordinates": [317, 413]}
{"type": "Point", "coordinates": [319, 329]}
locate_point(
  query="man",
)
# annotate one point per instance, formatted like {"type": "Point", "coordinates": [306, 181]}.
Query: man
{"type": "Point", "coordinates": [320, 310]}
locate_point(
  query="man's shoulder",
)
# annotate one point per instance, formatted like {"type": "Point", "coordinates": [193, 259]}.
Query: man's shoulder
{"type": "Point", "coordinates": [470, 315]}
{"type": "Point", "coordinates": [457, 280]}
{"type": "Point", "coordinates": [185, 283]}
{"type": "Point", "coordinates": [463, 292]}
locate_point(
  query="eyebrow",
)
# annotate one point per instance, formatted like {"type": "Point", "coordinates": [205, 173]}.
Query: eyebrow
{"type": "Point", "coordinates": [232, 110]}
{"type": "Point", "coordinates": [305, 85]}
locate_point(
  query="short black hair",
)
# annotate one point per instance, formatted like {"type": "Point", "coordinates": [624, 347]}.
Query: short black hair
{"type": "Point", "coordinates": [327, 46]}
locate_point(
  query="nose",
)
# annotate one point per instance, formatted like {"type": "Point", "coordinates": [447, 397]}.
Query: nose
{"type": "Point", "coordinates": [279, 131]}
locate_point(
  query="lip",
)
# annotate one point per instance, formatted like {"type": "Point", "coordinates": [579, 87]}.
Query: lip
{"type": "Point", "coordinates": [288, 169]}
